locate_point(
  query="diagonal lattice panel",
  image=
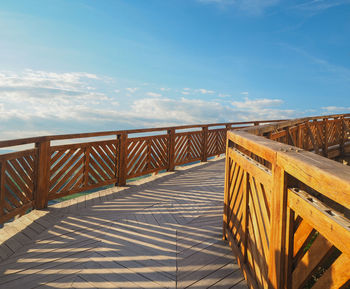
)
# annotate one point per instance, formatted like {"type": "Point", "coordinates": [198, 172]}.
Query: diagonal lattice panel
{"type": "Point", "coordinates": [18, 183]}
{"type": "Point", "coordinates": [147, 154]}
{"type": "Point", "coordinates": [181, 144]}
{"type": "Point", "coordinates": [80, 167]}
{"type": "Point", "coordinates": [136, 156]}
{"type": "Point", "coordinates": [159, 152]}
{"type": "Point", "coordinates": [188, 147]}
{"type": "Point", "coordinates": [216, 142]}
{"type": "Point", "coordinates": [195, 145]}
{"type": "Point", "coordinates": [102, 163]}
{"type": "Point", "coordinates": [66, 171]}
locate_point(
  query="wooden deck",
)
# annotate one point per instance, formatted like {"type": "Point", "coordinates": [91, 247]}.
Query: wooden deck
{"type": "Point", "coordinates": [164, 233]}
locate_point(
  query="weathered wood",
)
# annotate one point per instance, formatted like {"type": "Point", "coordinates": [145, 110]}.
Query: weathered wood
{"type": "Point", "coordinates": [326, 221]}
{"type": "Point", "coordinates": [42, 175]}
{"type": "Point", "coordinates": [326, 176]}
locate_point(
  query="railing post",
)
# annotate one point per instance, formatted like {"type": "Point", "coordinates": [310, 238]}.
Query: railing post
{"type": "Point", "coordinates": [226, 190]}
{"type": "Point", "coordinates": [245, 217]}
{"type": "Point", "coordinates": [325, 135]}
{"type": "Point", "coordinates": [342, 135]}
{"type": "Point", "coordinates": [41, 193]}
{"type": "Point", "coordinates": [2, 188]}
{"type": "Point", "coordinates": [171, 149]}
{"type": "Point", "coordinates": [86, 166]}
{"type": "Point", "coordinates": [204, 144]}
{"type": "Point", "coordinates": [276, 267]}
{"type": "Point", "coordinates": [123, 151]}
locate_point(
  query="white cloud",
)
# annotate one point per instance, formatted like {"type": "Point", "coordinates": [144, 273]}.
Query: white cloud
{"type": "Point", "coordinates": [224, 95]}
{"type": "Point", "coordinates": [245, 92]}
{"type": "Point", "coordinates": [205, 91]}
{"type": "Point", "coordinates": [132, 89]}
{"type": "Point", "coordinates": [185, 92]}
{"type": "Point", "coordinates": [38, 103]}
{"type": "Point", "coordinates": [153, 94]}
{"type": "Point", "coordinates": [256, 103]}
{"type": "Point", "coordinates": [336, 109]}
{"type": "Point", "coordinates": [117, 90]}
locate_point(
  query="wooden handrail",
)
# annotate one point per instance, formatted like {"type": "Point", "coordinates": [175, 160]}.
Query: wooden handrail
{"type": "Point", "coordinates": [287, 207]}
{"type": "Point", "coordinates": [23, 141]}
{"type": "Point", "coordinates": [32, 177]}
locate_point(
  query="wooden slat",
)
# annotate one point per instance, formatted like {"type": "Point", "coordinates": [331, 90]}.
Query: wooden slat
{"type": "Point", "coordinates": [2, 187]}
{"type": "Point", "coordinates": [327, 222]}
{"type": "Point", "coordinates": [260, 173]}
{"type": "Point", "coordinates": [320, 250]}
{"type": "Point", "coordinates": [336, 276]}
{"type": "Point", "coordinates": [330, 178]}
{"type": "Point", "coordinates": [278, 227]}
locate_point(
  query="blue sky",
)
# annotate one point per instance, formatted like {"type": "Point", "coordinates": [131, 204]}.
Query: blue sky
{"type": "Point", "coordinates": [74, 66]}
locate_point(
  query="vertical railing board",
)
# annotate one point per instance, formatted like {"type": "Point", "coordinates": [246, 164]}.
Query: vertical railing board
{"type": "Point", "coordinates": [42, 174]}
{"type": "Point", "coordinates": [204, 144]}
{"type": "Point", "coordinates": [171, 150]}
{"type": "Point", "coordinates": [123, 149]}
{"type": "Point", "coordinates": [86, 165]}
{"type": "Point", "coordinates": [2, 188]}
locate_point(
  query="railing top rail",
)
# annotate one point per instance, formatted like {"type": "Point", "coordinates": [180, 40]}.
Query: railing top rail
{"type": "Point", "coordinates": [23, 141]}
{"type": "Point", "coordinates": [330, 178]}
{"type": "Point", "coordinates": [282, 124]}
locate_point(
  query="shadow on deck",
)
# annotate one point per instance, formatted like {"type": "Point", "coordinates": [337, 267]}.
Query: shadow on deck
{"type": "Point", "coordinates": [165, 233]}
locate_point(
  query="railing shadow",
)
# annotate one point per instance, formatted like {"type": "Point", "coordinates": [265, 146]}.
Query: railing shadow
{"type": "Point", "coordinates": [145, 236]}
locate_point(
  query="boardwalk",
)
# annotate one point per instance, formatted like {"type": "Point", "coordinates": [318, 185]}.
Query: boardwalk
{"type": "Point", "coordinates": [165, 233]}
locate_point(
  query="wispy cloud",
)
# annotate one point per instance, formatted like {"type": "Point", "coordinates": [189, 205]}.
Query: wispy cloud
{"type": "Point", "coordinates": [132, 89]}
{"type": "Point", "coordinates": [205, 91]}
{"type": "Point", "coordinates": [336, 109]}
{"type": "Point", "coordinates": [320, 5]}
{"type": "Point", "coordinates": [338, 70]}
{"type": "Point", "coordinates": [153, 94]}
{"type": "Point", "coordinates": [255, 7]}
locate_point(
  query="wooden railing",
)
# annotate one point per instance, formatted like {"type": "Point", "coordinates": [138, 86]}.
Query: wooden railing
{"type": "Point", "coordinates": [286, 208]}
{"type": "Point", "coordinates": [31, 177]}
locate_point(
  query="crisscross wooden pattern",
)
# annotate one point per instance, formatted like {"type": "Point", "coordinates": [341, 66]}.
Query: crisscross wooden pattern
{"type": "Point", "coordinates": [75, 168]}
{"type": "Point", "coordinates": [216, 142]}
{"type": "Point", "coordinates": [146, 155]}
{"type": "Point", "coordinates": [17, 184]}
{"type": "Point", "coordinates": [188, 147]}
{"type": "Point", "coordinates": [318, 257]}
{"type": "Point", "coordinates": [326, 136]}
{"type": "Point", "coordinates": [247, 225]}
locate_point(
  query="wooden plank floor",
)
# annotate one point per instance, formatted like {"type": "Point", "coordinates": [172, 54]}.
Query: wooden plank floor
{"type": "Point", "coordinates": [166, 233]}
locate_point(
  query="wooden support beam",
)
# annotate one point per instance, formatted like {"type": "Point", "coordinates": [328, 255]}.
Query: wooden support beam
{"type": "Point", "coordinates": [87, 165]}
{"type": "Point", "coordinates": [276, 273]}
{"type": "Point", "coordinates": [245, 217]}
{"type": "Point", "coordinates": [204, 144]}
{"type": "Point", "coordinates": [42, 171]}
{"type": "Point", "coordinates": [313, 141]}
{"type": "Point", "coordinates": [123, 155]}
{"type": "Point", "coordinates": [325, 136]}
{"type": "Point", "coordinates": [171, 150]}
{"type": "Point", "coordinates": [2, 187]}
